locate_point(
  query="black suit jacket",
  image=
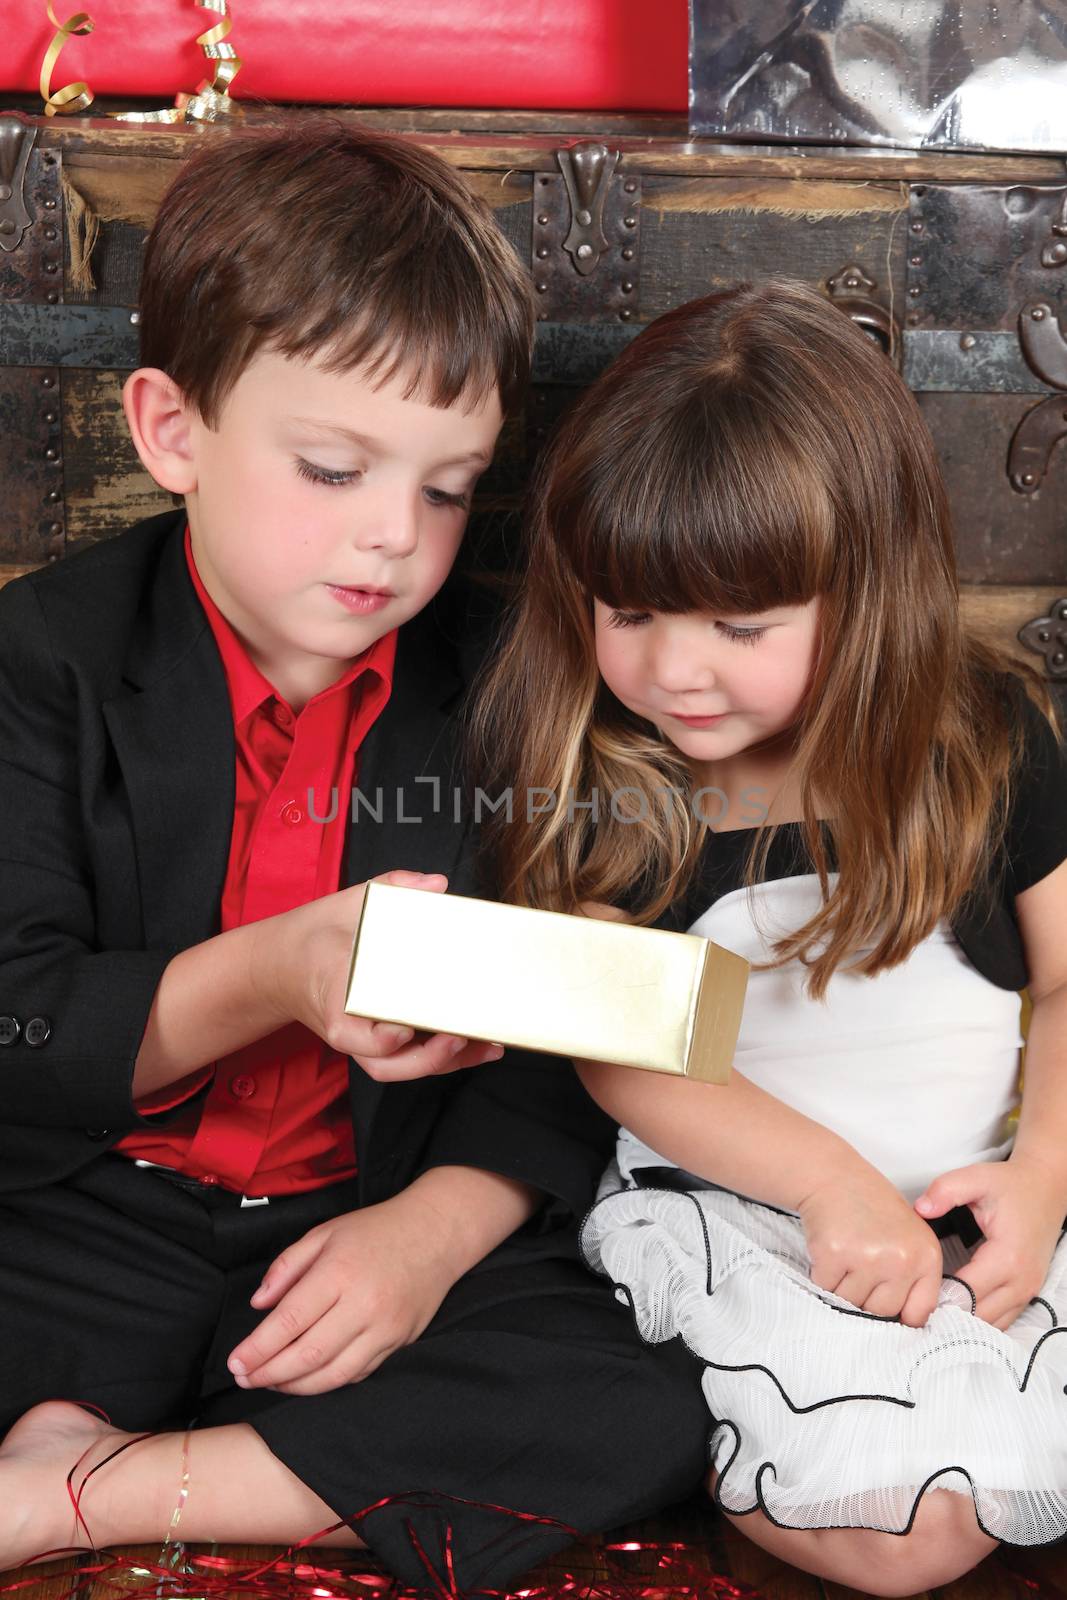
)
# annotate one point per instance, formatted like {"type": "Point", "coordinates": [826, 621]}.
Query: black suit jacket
{"type": "Point", "coordinates": [116, 806]}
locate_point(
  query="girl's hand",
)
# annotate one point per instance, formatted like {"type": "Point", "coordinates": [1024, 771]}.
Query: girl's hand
{"type": "Point", "coordinates": [1016, 1207]}
{"type": "Point", "coordinates": [344, 1297]}
{"type": "Point", "coordinates": [868, 1246]}
{"type": "Point", "coordinates": [301, 963]}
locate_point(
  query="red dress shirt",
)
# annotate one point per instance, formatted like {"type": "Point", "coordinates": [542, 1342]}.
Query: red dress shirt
{"type": "Point", "coordinates": [276, 1119]}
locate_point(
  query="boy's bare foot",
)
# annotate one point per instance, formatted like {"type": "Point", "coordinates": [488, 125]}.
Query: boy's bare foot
{"type": "Point", "coordinates": [241, 1492]}
{"type": "Point", "coordinates": [35, 1458]}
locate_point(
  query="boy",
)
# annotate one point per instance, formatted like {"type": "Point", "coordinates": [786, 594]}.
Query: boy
{"type": "Point", "coordinates": [348, 1254]}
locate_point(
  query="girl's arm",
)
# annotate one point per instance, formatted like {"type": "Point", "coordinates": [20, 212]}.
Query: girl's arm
{"type": "Point", "coordinates": [733, 1134]}
{"type": "Point", "coordinates": [1042, 1133]}
{"type": "Point", "coordinates": [1020, 1204]}
{"type": "Point", "coordinates": [864, 1241]}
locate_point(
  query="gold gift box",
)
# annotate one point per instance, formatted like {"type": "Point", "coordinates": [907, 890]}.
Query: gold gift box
{"type": "Point", "coordinates": [539, 980]}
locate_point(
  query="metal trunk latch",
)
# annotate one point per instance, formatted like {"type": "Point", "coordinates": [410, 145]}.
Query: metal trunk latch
{"type": "Point", "coordinates": [1045, 350]}
{"type": "Point", "coordinates": [587, 170]}
{"type": "Point", "coordinates": [16, 142]}
{"type": "Point", "coordinates": [31, 217]}
{"type": "Point", "coordinates": [1054, 253]}
{"type": "Point", "coordinates": [853, 292]}
{"type": "Point", "coordinates": [586, 237]}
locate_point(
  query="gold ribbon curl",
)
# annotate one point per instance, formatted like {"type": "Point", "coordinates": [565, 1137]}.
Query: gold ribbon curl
{"type": "Point", "coordinates": [209, 101]}
{"type": "Point", "coordinates": [74, 96]}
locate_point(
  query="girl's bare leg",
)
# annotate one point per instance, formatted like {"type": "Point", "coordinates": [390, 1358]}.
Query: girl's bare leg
{"type": "Point", "coordinates": [944, 1543]}
{"type": "Point", "coordinates": [239, 1493]}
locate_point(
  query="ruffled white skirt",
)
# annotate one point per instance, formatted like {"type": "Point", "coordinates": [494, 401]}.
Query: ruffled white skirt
{"type": "Point", "coordinates": [823, 1415]}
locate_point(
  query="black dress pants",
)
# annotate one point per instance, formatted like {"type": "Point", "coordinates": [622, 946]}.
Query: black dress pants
{"type": "Point", "coordinates": [530, 1390]}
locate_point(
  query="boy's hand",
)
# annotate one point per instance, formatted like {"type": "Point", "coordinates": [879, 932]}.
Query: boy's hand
{"type": "Point", "coordinates": [603, 913]}
{"type": "Point", "coordinates": [1015, 1205]}
{"type": "Point", "coordinates": [301, 963]}
{"type": "Point", "coordinates": [867, 1245]}
{"type": "Point", "coordinates": [344, 1297]}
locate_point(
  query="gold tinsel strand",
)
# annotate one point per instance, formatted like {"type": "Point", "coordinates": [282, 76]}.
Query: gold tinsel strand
{"type": "Point", "coordinates": [209, 101]}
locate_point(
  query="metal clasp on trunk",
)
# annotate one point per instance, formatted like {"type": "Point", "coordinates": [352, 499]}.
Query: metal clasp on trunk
{"type": "Point", "coordinates": [1048, 637]}
{"type": "Point", "coordinates": [1040, 430]}
{"type": "Point", "coordinates": [16, 142]}
{"type": "Point", "coordinates": [587, 170]}
{"type": "Point", "coordinates": [853, 291]}
{"type": "Point", "coordinates": [586, 237]}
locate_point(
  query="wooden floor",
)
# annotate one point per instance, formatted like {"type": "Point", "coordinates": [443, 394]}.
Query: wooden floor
{"type": "Point", "coordinates": [716, 1548]}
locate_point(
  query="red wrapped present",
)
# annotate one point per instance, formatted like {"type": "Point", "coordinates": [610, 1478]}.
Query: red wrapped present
{"type": "Point", "coordinates": [527, 54]}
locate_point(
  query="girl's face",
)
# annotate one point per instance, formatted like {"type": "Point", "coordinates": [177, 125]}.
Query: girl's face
{"type": "Point", "coordinates": [713, 685]}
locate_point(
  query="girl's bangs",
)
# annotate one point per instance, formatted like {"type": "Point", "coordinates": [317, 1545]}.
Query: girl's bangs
{"type": "Point", "coordinates": [716, 530]}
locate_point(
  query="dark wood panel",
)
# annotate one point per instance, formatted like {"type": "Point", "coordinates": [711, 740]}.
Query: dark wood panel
{"type": "Point", "coordinates": [1001, 1576]}
{"type": "Point", "coordinates": [775, 1580]}
{"type": "Point", "coordinates": [515, 150]}
{"type": "Point", "coordinates": [31, 465]}
{"type": "Point", "coordinates": [1001, 536]}
{"type": "Point", "coordinates": [123, 195]}
{"type": "Point", "coordinates": [1043, 1571]}
{"type": "Point", "coordinates": [115, 263]}
{"type": "Point", "coordinates": [128, 188]}
{"type": "Point", "coordinates": [990, 1580]}
{"type": "Point", "coordinates": [813, 197]}
{"type": "Point", "coordinates": [689, 248]}
{"type": "Point", "coordinates": [50, 1581]}
{"type": "Point", "coordinates": [107, 487]}
{"type": "Point", "coordinates": [430, 119]}
{"type": "Point", "coordinates": [838, 1591]}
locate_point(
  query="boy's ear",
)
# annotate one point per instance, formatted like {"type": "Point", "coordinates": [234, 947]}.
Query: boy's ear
{"type": "Point", "coordinates": [159, 420]}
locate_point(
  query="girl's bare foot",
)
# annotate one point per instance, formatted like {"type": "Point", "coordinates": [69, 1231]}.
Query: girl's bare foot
{"type": "Point", "coordinates": [35, 1458]}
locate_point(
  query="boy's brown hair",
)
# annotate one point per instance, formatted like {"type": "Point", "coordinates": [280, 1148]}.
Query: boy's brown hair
{"type": "Point", "coordinates": [334, 242]}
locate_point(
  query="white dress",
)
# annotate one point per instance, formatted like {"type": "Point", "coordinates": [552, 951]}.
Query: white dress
{"type": "Point", "coordinates": [823, 1415]}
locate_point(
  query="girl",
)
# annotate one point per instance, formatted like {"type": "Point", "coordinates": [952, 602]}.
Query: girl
{"type": "Point", "coordinates": [742, 610]}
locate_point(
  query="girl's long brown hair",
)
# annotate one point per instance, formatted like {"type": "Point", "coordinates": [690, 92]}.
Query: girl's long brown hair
{"type": "Point", "coordinates": [751, 450]}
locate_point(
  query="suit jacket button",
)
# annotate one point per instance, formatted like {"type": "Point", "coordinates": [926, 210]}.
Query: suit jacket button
{"type": "Point", "coordinates": [10, 1028]}
{"type": "Point", "coordinates": [98, 1133]}
{"type": "Point", "coordinates": [38, 1032]}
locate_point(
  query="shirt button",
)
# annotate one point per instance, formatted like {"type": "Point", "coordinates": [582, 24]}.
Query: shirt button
{"type": "Point", "coordinates": [283, 716]}
{"type": "Point", "coordinates": [291, 814]}
{"type": "Point", "coordinates": [241, 1088]}
{"type": "Point", "coordinates": [10, 1028]}
{"type": "Point", "coordinates": [210, 1179]}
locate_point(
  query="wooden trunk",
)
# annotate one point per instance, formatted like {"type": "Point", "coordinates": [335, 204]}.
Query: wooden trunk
{"type": "Point", "coordinates": [958, 262]}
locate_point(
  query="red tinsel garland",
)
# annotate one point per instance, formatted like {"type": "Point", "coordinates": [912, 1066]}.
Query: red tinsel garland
{"type": "Point", "coordinates": [681, 1573]}
{"type": "Point", "coordinates": [680, 1570]}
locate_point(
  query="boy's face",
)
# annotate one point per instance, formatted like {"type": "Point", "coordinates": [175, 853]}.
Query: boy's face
{"type": "Point", "coordinates": [316, 488]}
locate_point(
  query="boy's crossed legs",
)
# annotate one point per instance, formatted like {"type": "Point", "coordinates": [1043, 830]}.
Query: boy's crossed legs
{"type": "Point", "coordinates": [529, 1390]}
{"type": "Point", "coordinates": [239, 1492]}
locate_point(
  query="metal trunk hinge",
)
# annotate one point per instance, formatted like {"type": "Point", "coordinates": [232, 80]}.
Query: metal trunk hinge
{"type": "Point", "coordinates": [31, 216]}
{"type": "Point", "coordinates": [586, 237]}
